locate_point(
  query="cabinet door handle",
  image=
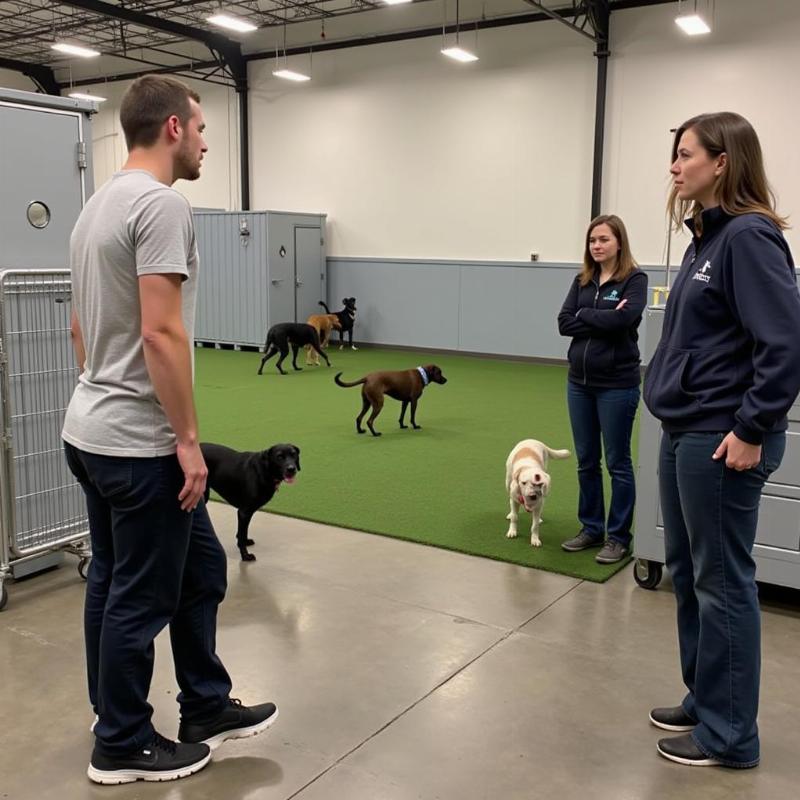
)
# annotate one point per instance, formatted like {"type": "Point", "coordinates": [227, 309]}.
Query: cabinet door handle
{"type": "Point", "coordinates": [276, 281]}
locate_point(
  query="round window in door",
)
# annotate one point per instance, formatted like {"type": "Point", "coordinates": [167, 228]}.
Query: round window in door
{"type": "Point", "coordinates": [38, 214]}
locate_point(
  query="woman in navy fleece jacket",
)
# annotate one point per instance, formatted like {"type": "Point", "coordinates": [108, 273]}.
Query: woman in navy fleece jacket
{"type": "Point", "coordinates": [724, 375]}
{"type": "Point", "coordinates": [601, 314]}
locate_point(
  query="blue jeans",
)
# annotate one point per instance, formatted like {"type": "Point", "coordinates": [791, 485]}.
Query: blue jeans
{"type": "Point", "coordinates": [710, 517]}
{"type": "Point", "coordinates": [606, 414]}
{"type": "Point", "coordinates": [152, 565]}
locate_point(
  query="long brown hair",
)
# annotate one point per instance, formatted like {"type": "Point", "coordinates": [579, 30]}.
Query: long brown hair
{"type": "Point", "coordinates": [148, 103]}
{"type": "Point", "coordinates": [625, 260]}
{"type": "Point", "coordinates": [742, 186]}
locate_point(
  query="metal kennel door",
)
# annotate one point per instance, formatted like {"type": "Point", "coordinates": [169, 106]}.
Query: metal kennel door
{"type": "Point", "coordinates": [309, 272]}
{"type": "Point", "coordinates": [43, 507]}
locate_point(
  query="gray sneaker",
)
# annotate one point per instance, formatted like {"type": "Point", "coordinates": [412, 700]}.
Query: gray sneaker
{"type": "Point", "coordinates": [580, 542]}
{"type": "Point", "coordinates": [612, 552]}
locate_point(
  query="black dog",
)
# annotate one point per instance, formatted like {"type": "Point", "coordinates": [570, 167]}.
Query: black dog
{"type": "Point", "coordinates": [284, 334]}
{"type": "Point", "coordinates": [248, 480]}
{"type": "Point", "coordinates": [347, 318]}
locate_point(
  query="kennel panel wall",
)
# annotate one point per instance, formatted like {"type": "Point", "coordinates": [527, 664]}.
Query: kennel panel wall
{"type": "Point", "coordinates": [497, 307]}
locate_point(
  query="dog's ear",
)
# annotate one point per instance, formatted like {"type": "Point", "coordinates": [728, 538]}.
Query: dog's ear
{"type": "Point", "coordinates": [297, 456]}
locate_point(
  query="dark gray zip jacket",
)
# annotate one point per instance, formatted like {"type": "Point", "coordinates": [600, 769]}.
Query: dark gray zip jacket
{"type": "Point", "coordinates": [604, 352]}
{"type": "Point", "coordinates": [729, 355]}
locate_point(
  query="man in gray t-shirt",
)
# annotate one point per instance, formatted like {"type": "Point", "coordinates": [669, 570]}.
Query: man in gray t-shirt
{"type": "Point", "coordinates": [131, 439]}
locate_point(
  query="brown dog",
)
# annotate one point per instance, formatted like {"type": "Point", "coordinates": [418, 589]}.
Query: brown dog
{"type": "Point", "coordinates": [324, 324]}
{"type": "Point", "coordinates": [404, 385]}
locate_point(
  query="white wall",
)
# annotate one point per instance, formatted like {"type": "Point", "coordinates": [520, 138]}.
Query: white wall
{"type": "Point", "coordinates": [9, 79]}
{"type": "Point", "coordinates": [415, 156]}
{"type": "Point", "coordinates": [218, 186]}
{"type": "Point", "coordinates": [658, 78]}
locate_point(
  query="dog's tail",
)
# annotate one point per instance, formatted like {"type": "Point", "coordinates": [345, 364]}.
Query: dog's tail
{"type": "Point", "coordinates": [347, 385]}
{"type": "Point", "coordinates": [557, 453]}
{"type": "Point", "coordinates": [324, 305]}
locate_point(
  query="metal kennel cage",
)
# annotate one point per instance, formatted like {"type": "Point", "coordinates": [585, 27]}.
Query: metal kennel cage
{"type": "Point", "coordinates": [42, 507]}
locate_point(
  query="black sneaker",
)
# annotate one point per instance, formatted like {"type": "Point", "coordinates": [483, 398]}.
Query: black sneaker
{"type": "Point", "coordinates": [683, 750]}
{"type": "Point", "coordinates": [582, 541]}
{"type": "Point", "coordinates": [672, 719]}
{"type": "Point", "coordinates": [235, 721]}
{"type": "Point", "coordinates": [161, 760]}
{"type": "Point", "coordinates": [611, 553]}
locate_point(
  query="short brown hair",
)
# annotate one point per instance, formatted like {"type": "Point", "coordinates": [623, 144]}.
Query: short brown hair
{"type": "Point", "coordinates": [625, 261]}
{"type": "Point", "coordinates": [148, 103]}
{"type": "Point", "coordinates": [742, 187]}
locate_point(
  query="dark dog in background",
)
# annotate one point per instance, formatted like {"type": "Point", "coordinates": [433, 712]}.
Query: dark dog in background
{"type": "Point", "coordinates": [347, 318]}
{"type": "Point", "coordinates": [285, 334]}
{"type": "Point", "coordinates": [404, 385]}
{"type": "Point", "coordinates": [248, 480]}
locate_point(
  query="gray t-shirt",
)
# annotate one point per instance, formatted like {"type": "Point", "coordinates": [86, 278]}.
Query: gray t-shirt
{"type": "Point", "coordinates": [132, 226]}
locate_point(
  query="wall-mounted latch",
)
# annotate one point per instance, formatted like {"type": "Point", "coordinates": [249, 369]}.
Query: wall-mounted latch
{"type": "Point", "coordinates": [244, 231]}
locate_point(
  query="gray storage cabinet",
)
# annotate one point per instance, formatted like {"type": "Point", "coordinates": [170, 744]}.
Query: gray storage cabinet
{"type": "Point", "coordinates": [777, 547]}
{"type": "Point", "coordinates": [257, 268]}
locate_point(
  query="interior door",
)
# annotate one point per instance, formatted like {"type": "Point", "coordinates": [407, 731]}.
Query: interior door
{"type": "Point", "coordinates": [308, 272]}
{"type": "Point", "coordinates": [40, 186]}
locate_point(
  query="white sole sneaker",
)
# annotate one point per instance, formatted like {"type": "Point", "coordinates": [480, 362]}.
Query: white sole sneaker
{"type": "Point", "coordinates": [116, 777]}
{"type": "Point", "coordinates": [690, 762]}
{"type": "Point", "coordinates": [677, 728]}
{"type": "Point", "coordinates": [240, 733]}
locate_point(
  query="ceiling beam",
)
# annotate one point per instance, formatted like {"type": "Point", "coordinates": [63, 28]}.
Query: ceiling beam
{"type": "Point", "coordinates": [42, 76]}
{"type": "Point", "coordinates": [214, 41]}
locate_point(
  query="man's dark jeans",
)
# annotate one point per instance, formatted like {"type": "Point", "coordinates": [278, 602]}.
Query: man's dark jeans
{"type": "Point", "coordinates": [152, 565]}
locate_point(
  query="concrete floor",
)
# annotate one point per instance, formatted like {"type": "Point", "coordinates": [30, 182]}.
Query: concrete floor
{"type": "Point", "coordinates": [402, 673]}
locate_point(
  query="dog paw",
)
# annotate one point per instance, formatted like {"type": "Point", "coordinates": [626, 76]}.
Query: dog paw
{"type": "Point", "coordinates": [248, 557]}
{"type": "Point", "coordinates": [512, 534]}
{"type": "Point", "coordinates": [536, 541]}
{"type": "Point", "coordinates": [353, 347]}
{"type": "Point", "coordinates": [250, 542]}
{"type": "Point", "coordinates": [417, 427]}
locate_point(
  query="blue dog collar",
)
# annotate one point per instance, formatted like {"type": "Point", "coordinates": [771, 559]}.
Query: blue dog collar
{"type": "Point", "coordinates": [425, 379]}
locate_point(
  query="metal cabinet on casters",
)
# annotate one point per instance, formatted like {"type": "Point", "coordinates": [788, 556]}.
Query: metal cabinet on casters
{"type": "Point", "coordinates": [257, 268]}
{"type": "Point", "coordinates": [777, 547]}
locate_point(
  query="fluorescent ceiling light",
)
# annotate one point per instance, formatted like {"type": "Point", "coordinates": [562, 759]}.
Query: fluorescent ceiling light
{"type": "Point", "coordinates": [459, 54]}
{"type": "Point", "coordinates": [692, 24]}
{"type": "Point", "coordinates": [75, 50]}
{"type": "Point", "coordinates": [232, 23]}
{"type": "Point", "coordinates": [396, 2]}
{"type": "Point", "coordinates": [290, 75]}
{"type": "Point", "coordinates": [83, 96]}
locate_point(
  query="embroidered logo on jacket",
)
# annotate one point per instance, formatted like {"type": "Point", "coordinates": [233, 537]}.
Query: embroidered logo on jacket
{"type": "Point", "coordinates": [704, 273]}
{"type": "Point", "coordinates": [612, 295]}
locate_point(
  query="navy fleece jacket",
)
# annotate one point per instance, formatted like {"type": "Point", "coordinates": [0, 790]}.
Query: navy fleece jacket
{"type": "Point", "coordinates": [729, 355]}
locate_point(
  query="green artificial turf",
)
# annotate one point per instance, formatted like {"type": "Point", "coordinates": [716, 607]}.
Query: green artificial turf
{"type": "Point", "coordinates": [442, 485]}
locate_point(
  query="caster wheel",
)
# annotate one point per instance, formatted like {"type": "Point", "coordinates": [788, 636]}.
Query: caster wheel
{"type": "Point", "coordinates": [647, 574]}
{"type": "Point", "coordinates": [3, 596]}
{"type": "Point", "coordinates": [83, 566]}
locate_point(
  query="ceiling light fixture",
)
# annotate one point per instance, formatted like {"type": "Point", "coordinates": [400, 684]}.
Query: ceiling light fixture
{"type": "Point", "coordinates": [692, 24]}
{"type": "Point", "coordinates": [75, 50]}
{"type": "Point", "coordinates": [281, 67]}
{"type": "Point", "coordinates": [290, 75]}
{"type": "Point", "coordinates": [396, 2]}
{"type": "Point", "coordinates": [457, 52]}
{"type": "Point", "coordinates": [84, 96]}
{"type": "Point", "coordinates": [232, 23]}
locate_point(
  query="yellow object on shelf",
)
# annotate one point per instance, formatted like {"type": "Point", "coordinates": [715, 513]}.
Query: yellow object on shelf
{"type": "Point", "coordinates": [660, 295]}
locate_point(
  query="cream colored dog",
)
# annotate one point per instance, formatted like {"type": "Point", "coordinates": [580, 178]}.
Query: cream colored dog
{"type": "Point", "coordinates": [528, 483]}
